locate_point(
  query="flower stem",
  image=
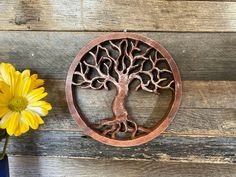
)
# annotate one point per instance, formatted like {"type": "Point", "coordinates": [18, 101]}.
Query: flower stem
{"type": "Point", "coordinates": [5, 148]}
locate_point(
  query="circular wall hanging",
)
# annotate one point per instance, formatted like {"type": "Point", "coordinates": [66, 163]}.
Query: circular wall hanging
{"type": "Point", "coordinates": [122, 60]}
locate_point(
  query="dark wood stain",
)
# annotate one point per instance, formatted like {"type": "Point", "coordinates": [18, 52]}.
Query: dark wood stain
{"type": "Point", "coordinates": [58, 167]}
{"type": "Point", "coordinates": [164, 147]}
{"type": "Point", "coordinates": [28, 12]}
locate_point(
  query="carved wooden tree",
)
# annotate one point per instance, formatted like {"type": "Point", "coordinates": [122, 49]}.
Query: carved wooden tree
{"type": "Point", "coordinates": [121, 62]}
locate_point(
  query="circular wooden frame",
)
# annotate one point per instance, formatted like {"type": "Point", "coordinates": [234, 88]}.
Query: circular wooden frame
{"type": "Point", "coordinates": [160, 127]}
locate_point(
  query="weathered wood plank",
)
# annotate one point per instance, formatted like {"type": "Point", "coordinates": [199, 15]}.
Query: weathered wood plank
{"type": "Point", "coordinates": [189, 122]}
{"type": "Point", "coordinates": [208, 107]}
{"type": "Point", "coordinates": [105, 15]}
{"type": "Point", "coordinates": [57, 167]}
{"type": "Point", "coordinates": [162, 148]}
{"type": "Point", "coordinates": [200, 56]}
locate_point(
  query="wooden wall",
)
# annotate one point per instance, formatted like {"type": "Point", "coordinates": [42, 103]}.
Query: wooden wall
{"type": "Point", "coordinates": [46, 35]}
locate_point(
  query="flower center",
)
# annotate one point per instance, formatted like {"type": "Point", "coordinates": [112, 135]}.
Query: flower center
{"type": "Point", "coordinates": [18, 104]}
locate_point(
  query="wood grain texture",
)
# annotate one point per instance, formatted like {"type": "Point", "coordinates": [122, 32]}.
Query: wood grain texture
{"type": "Point", "coordinates": [203, 130]}
{"type": "Point", "coordinates": [64, 167]}
{"type": "Point", "coordinates": [208, 107]}
{"type": "Point", "coordinates": [105, 15]}
{"type": "Point", "coordinates": [199, 56]}
{"type": "Point", "coordinates": [163, 148]}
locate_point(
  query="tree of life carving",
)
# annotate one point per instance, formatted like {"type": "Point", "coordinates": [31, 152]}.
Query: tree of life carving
{"type": "Point", "coordinates": [120, 62]}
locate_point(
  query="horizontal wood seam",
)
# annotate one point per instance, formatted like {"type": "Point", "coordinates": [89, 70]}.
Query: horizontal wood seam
{"type": "Point", "coordinates": [167, 134]}
{"type": "Point", "coordinates": [115, 159]}
{"type": "Point", "coordinates": [107, 31]}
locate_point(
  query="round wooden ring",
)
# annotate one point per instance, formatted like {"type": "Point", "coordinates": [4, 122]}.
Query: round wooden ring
{"type": "Point", "coordinates": [160, 127]}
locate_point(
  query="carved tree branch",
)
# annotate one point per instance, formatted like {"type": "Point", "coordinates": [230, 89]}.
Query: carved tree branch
{"type": "Point", "coordinates": [102, 78]}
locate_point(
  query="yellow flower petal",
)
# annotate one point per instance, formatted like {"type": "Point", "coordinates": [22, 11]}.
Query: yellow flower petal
{"type": "Point", "coordinates": [35, 93]}
{"type": "Point", "coordinates": [3, 111]}
{"type": "Point", "coordinates": [39, 119]}
{"type": "Point", "coordinates": [30, 118]}
{"type": "Point", "coordinates": [23, 127]}
{"type": "Point", "coordinates": [36, 82]}
{"type": "Point", "coordinates": [13, 123]}
{"type": "Point", "coordinates": [38, 97]}
{"type": "Point", "coordinates": [17, 131]}
{"type": "Point", "coordinates": [39, 110]}
{"type": "Point", "coordinates": [42, 104]}
{"type": "Point", "coordinates": [4, 99]}
{"type": "Point", "coordinates": [26, 86]}
{"type": "Point", "coordinates": [5, 120]}
{"type": "Point", "coordinates": [26, 73]}
{"type": "Point", "coordinates": [5, 70]}
{"type": "Point", "coordinates": [19, 86]}
{"type": "Point", "coordinates": [13, 83]}
{"type": "Point", "coordinates": [4, 87]}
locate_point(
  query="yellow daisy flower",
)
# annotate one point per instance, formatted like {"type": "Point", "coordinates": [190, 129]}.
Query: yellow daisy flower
{"type": "Point", "coordinates": [21, 106]}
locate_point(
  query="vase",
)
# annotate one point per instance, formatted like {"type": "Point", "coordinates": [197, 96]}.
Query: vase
{"type": "Point", "coordinates": [4, 167]}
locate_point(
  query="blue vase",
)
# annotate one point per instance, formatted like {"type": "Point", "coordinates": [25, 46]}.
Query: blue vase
{"type": "Point", "coordinates": [4, 167]}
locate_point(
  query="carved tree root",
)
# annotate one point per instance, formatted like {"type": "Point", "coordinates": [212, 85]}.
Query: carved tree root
{"type": "Point", "coordinates": [116, 125]}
